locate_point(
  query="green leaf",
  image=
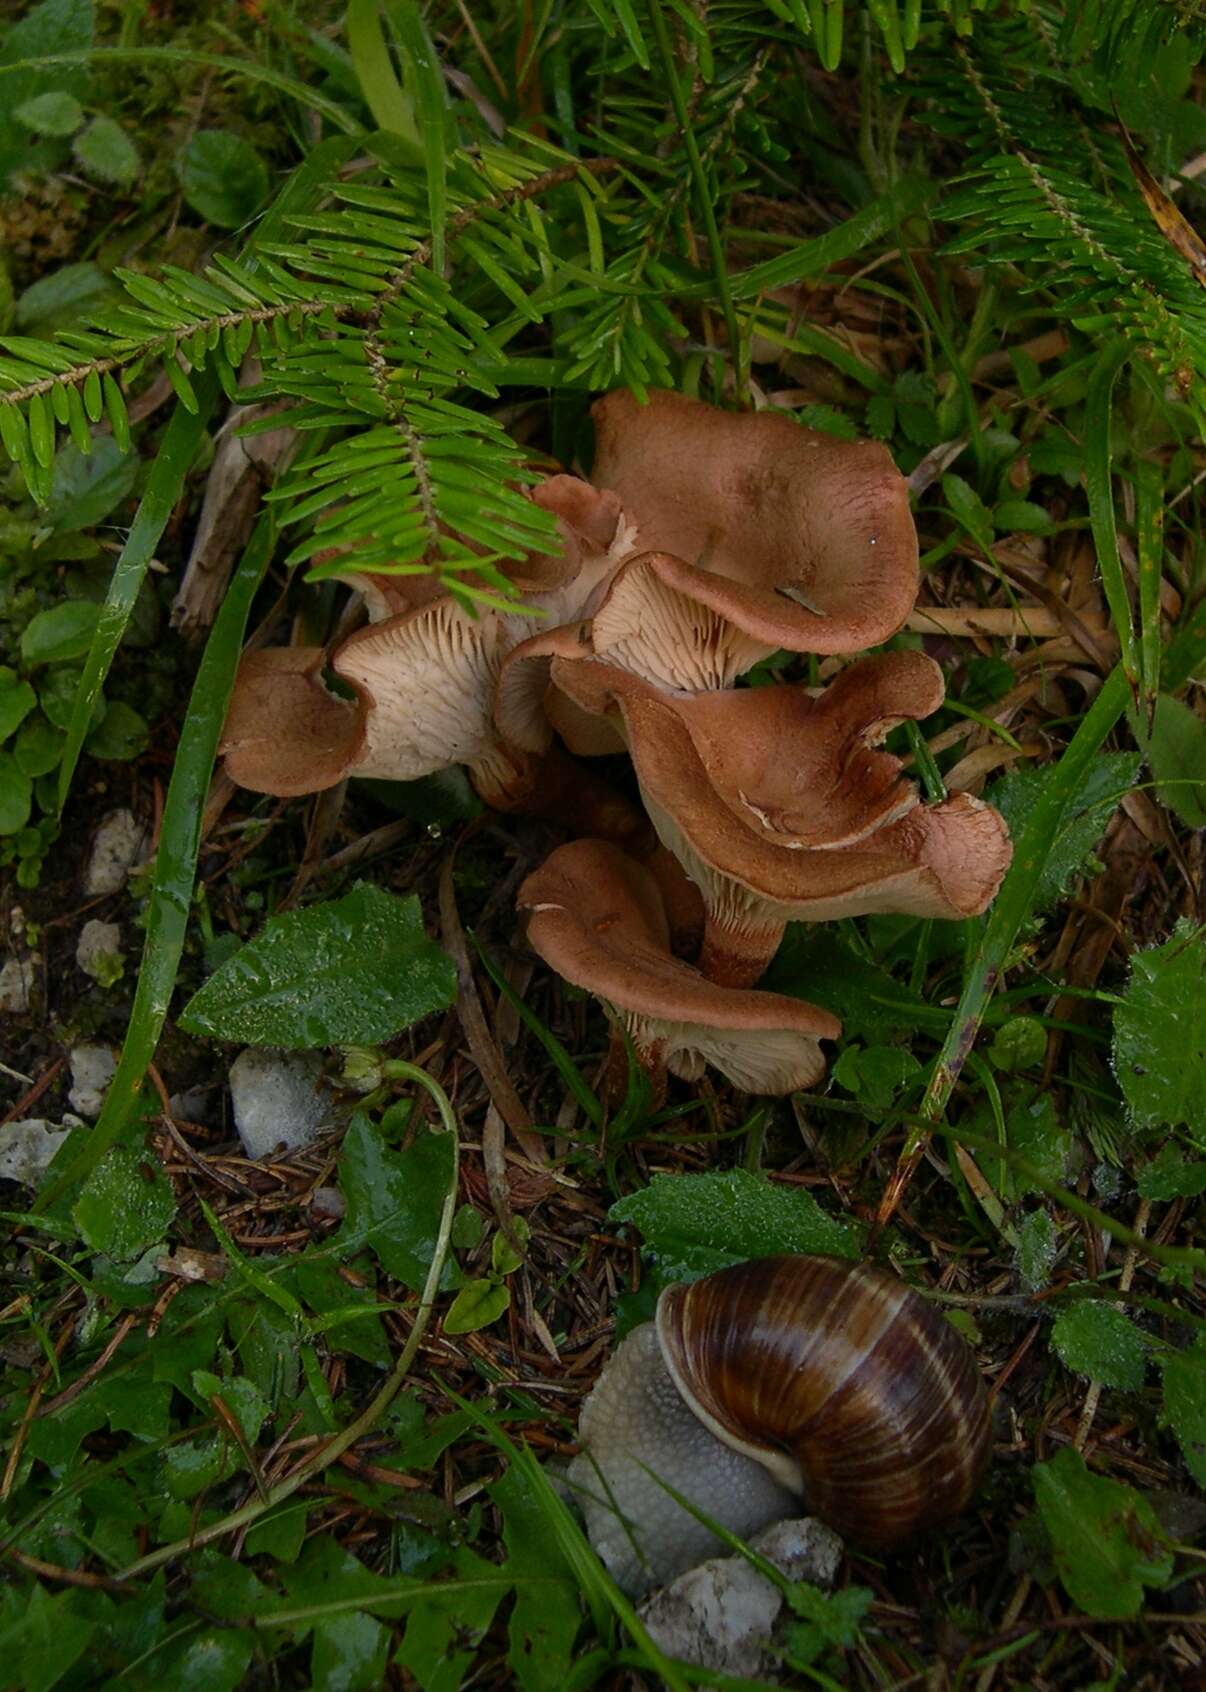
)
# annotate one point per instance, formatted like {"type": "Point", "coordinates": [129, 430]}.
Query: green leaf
{"type": "Point", "coordinates": [50, 114]}
{"type": "Point", "coordinates": [1160, 1033]}
{"type": "Point", "coordinates": [477, 1305]}
{"type": "Point", "coordinates": [60, 633]}
{"type": "Point", "coordinates": [106, 152]}
{"type": "Point", "coordinates": [969, 508]}
{"type": "Point", "coordinates": [37, 748]}
{"type": "Point", "coordinates": [817, 964]}
{"type": "Point", "coordinates": [54, 26]}
{"type": "Point", "coordinates": [875, 1074]}
{"type": "Point", "coordinates": [1038, 1247]}
{"type": "Point", "coordinates": [1105, 1537]}
{"type": "Point", "coordinates": [547, 1613]}
{"type": "Point", "coordinates": [1170, 1176]}
{"type": "Point", "coordinates": [86, 488]}
{"type": "Point", "coordinates": [223, 178]}
{"type": "Point", "coordinates": [349, 1653]}
{"type": "Point", "coordinates": [16, 795]}
{"type": "Point", "coordinates": [1185, 1405]}
{"type": "Point", "coordinates": [351, 972]}
{"type": "Point", "coordinates": [425, 80]}
{"type": "Point", "coordinates": [383, 96]}
{"type": "Point", "coordinates": [1098, 1340]}
{"type": "Point", "coordinates": [1020, 1043]}
{"type": "Point", "coordinates": [393, 1198]}
{"type": "Point", "coordinates": [695, 1223]}
{"type": "Point", "coordinates": [1082, 822]}
{"type": "Point", "coordinates": [46, 1639]}
{"type": "Point", "coordinates": [120, 735]}
{"type": "Point", "coordinates": [504, 1259]}
{"type": "Point", "coordinates": [448, 1624]}
{"type": "Point", "coordinates": [826, 1619]}
{"type": "Point", "coordinates": [62, 298]}
{"type": "Point", "coordinates": [1176, 751]}
{"type": "Point", "coordinates": [213, 1660]}
{"type": "Point", "coordinates": [17, 700]}
{"type": "Point", "coordinates": [125, 1205]}
{"type": "Point", "coordinates": [1034, 1131]}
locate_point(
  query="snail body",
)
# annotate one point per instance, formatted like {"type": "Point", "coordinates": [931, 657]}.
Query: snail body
{"type": "Point", "coordinates": [791, 1377]}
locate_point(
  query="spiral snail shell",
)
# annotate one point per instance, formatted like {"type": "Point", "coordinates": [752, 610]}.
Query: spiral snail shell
{"type": "Point", "coordinates": [782, 1376]}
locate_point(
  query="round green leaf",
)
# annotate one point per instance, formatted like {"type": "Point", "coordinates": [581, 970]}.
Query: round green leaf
{"type": "Point", "coordinates": [121, 734]}
{"type": "Point", "coordinates": [87, 487]}
{"type": "Point", "coordinates": [106, 152]}
{"type": "Point", "coordinates": [1020, 1043]}
{"type": "Point", "coordinates": [51, 114]}
{"type": "Point", "coordinates": [62, 297]}
{"type": "Point", "coordinates": [17, 700]}
{"type": "Point", "coordinates": [38, 747]}
{"type": "Point", "coordinates": [224, 179]}
{"type": "Point", "coordinates": [60, 633]}
{"type": "Point", "coordinates": [126, 1204]}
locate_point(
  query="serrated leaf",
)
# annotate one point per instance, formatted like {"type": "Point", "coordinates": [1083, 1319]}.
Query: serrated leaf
{"type": "Point", "coordinates": [1185, 1405]}
{"type": "Point", "coordinates": [1160, 1033]}
{"type": "Point", "coordinates": [693, 1224]}
{"type": "Point", "coordinates": [1105, 1538]}
{"type": "Point", "coordinates": [1099, 1340]}
{"type": "Point", "coordinates": [477, 1305]}
{"type": "Point", "coordinates": [1015, 796]}
{"type": "Point", "coordinates": [545, 1617]}
{"type": "Point", "coordinates": [1169, 1175]}
{"type": "Point", "coordinates": [125, 1204]}
{"type": "Point", "coordinates": [351, 972]}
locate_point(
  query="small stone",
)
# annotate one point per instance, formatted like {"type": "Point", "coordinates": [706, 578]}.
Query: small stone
{"type": "Point", "coordinates": [27, 1148]}
{"type": "Point", "coordinates": [98, 951]}
{"type": "Point", "coordinates": [719, 1615]}
{"type": "Point", "coordinates": [16, 984]}
{"type": "Point", "coordinates": [92, 1069]}
{"type": "Point", "coordinates": [328, 1201]}
{"type": "Point", "coordinates": [117, 846]}
{"type": "Point", "coordinates": [802, 1550]}
{"type": "Point", "coordinates": [202, 1105]}
{"type": "Point", "coordinates": [278, 1100]}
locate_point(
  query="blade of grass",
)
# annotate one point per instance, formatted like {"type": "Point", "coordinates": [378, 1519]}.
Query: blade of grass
{"type": "Point", "coordinates": [1098, 460]}
{"type": "Point", "coordinates": [179, 448]}
{"type": "Point", "coordinates": [811, 258]}
{"type": "Point", "coordinates": [382, 91]}
{"type": "Point", "coordinates": [1031, 851]}
{"type": "Point", "coordinates": [410, 32]}
{"type": "Point", "coordinates": [172, 463]}
{"type": "Point", "coordinates": [176, 857]}
{"type": "Point", "coordinates": [336, 114]}
{"type": "Point", "coordinates": [1149, 526]}
{"type": "Point", "coordinates": [368, 1418]}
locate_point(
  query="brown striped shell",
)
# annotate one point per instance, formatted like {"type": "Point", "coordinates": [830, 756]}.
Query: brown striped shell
{"type": "Point", "coordinates": [841, 1381]}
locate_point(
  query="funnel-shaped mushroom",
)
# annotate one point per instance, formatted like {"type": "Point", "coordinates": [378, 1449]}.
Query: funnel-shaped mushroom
{"type": "Point", "coordinates": [813, 826]}
{"type": "Point", "coordinates": [424, 683]}
{"type": "Point", "coordinates": [597, 918]}
{"type": "Point", "coordinates": [805, 541]}
{"type": "Point", "coordinates": [801, 770]}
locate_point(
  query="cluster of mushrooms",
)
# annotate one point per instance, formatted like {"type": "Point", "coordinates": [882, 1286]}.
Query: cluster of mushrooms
{"type": "Point", "coordinates": [703, 543]}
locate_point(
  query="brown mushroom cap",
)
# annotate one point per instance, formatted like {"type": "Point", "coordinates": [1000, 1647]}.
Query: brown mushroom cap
{"type": "Point", "coordinates": [807, 540]}
{"type": "Point", "coordinates": [286, 733]}
{"type": "Point", "coordinates": [597, 918]}
{"type": "Point", "coordinates": [801, 770]}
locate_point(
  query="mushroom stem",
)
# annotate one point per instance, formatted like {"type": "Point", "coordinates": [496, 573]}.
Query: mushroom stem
{"type": "Point", "coordinates": [613, 1075]}
{"type": "Point", "coordinates": [554, 786]}
{"type": "Point", "coordinates": [736, 957]}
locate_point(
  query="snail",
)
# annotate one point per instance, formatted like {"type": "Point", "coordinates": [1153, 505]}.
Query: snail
{"type": "Point", "coordinates": [776, 1379]}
